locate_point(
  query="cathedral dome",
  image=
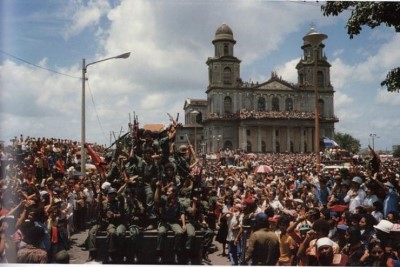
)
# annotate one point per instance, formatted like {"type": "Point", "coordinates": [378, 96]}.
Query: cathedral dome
{"type": "Point", "coordinates": [224, 32]}
{"type": "Point", "coordinates": [314, 37]}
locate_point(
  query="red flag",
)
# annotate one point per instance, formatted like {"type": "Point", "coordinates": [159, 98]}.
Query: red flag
{"type": "Point", "coordinates": [97, 161]}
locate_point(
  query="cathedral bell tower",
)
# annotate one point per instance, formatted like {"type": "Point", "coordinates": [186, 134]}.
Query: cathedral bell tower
{"type": "Point", "coordinates": [224, 67]}
{"type": "Point", "coordinates": [306, 64]}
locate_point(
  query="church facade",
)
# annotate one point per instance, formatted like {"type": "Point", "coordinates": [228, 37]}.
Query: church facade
{"type": "Point", "coordinates": [271, 116]}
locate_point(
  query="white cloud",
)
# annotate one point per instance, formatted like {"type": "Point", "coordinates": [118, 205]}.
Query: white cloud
{"type": "Point", "coordinates": [387, 98]}
{"type": "Point", "coordinates": [169, 43]}
{"type": "Point", "coordinates": [376, 66]}
{"type": "Point", "coordinates": [288, 70]}
{"type": "Point", "coordinates": [338, 52]}
{"type": "Point", "coordinates": [340, 73]}
{"type": "Point", "coordinates": [150, 102]}
{"type": "Point", "coordinates": [342, 100]}
{"type": "Point", "coordinates": [82, 16]}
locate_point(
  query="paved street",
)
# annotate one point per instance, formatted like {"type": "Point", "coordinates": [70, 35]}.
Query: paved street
{"type": "Point", "coordinates": [79, 256]}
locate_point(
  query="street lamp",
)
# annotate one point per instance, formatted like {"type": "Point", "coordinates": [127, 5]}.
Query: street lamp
{"type": "Point", "coordinates": [195, 113]}
{"type": "Point", "coordinates": [314, 39]}
{"type": "Point", "coordinates": [83, 122]}
{"type": "Point", "coordinates": [373, 136]}
{"type": "Point", "coordinates": [218, 137]}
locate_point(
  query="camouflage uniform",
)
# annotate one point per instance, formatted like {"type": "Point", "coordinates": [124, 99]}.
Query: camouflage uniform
{"type": "Point", "coordinates": [112, 214]}
{"type": "Point", "coordinates": [135, 219]}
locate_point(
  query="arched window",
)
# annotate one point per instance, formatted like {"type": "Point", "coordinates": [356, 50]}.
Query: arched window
{"type": "Point", "coordinates": [263, 147]}
{"type": "Point", "coordinates": [305, 147]}
{"type": "Point", "coordinates": [227, 76]}
{"type": "Point", "coordinates": [226, 49]}
{"type": "Point", "coordinates": [227, 105]}
{"type": "Point", "coordinates": [249, 146]}
{"type": "Point", "coordinates": [277, 147]}
{"type": "Point", "coordinates": [228, 144]}
{"type": "Point", "coordinates": [321, 107]}
{"type": "Point", "coordinates": [320, 78]}
{"type": "Point", "coordinates": [301, 78]}
{"type": "Point", "coordinates": [291, 146]}
{"type": "Point", "coordinates": [289, 104]}
{"type": "Point", "coordinates": [261, 104]}
{"type": "Point", "coordinates": [275, 104]}
{"type": "Point", "coordinates": [199, 117]}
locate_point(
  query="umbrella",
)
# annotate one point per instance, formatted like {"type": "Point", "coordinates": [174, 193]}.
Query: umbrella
{"type": "Point", "coordinates": [263, 169]}
{"type": "Point", "coordinates": [330, 143]}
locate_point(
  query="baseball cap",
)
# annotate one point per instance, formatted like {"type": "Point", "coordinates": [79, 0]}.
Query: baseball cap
{"type": "Point", "coordinates": [261, 217]}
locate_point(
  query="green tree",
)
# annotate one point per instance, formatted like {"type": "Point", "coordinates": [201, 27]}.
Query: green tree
{"type": "Point", "coordinates": [396, 152]}
{"type": "Point", "coordinates": [347, 142]}
{"type": "Point", "coordinates": [369, 14]}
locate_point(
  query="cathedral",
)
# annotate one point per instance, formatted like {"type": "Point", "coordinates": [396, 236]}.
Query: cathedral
{"type": "Point", "coordinates": [270, 116]}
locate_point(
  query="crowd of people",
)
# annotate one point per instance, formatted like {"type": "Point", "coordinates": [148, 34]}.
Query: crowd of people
{"type": "Point", "coordinates": [264, 114]}
{"type": "Point", "coordinates": [292, 214]}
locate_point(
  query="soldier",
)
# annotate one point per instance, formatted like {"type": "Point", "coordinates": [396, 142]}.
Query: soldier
{"type": "Point", "coordinates": [150, 142]}
{"type": "Point", "coordinates": [169, 177]}
{"type": "Point", "coordinates": [172, 216]}
{"type": "Point", "coordinates": [182, 161]}
{"type": "Point", "coordinates": [190, 208]}
{"type": "Point", "coordinates": [135, 217]}
{"type": "Point", "coordinates": [111, 213]}
{"type": "Point", "coordinates": [208, 233]}
{"type": "Point", "coordinates": [113, 169]}
{"type": "Point", "coordinates": [263, 246]}
{"type": "Point", "coordinates": [150, 175]}
{"type": "Point", "coordinates": [196, 220]}
{"type": "Point", "coordinates": [133, 164]}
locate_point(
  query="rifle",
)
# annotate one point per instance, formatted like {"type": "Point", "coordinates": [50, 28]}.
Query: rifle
{"type": "Point", "coordinates": [173, 121]}
{"type": "Point", "coordinates": [196, 159]}
{"type": "Point", "coordinates": [134, 133]}
{"type": "Point", "coordinates": [375, 162]}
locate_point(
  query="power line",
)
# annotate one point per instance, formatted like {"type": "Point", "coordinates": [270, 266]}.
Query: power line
{"type": "Point", "coordinates": [95, 109]}
{"type": "Point", "coordinates": [54, 71]}
{"type": "Point", "coordinates": [316, 3]}
{"type": "Point", "coordinates": [37, 66]}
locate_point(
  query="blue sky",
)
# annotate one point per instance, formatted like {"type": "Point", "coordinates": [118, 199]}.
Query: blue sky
{"type": "Point", "coordinates": [170, 42]}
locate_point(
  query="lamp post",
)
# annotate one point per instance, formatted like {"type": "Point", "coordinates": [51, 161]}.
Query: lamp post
{"type": "Point", "coordinates": [217, 137]}
{"type": "Point", "coordinates": [195, 113]}
{"type": "Point", "coordinates": [314, 39]}
{"type": "Point", "coordinates": [83, 119]}
{"type": "Point", "coordinates": [373, 136]}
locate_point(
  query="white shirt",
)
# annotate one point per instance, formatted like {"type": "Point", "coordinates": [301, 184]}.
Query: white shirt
{"type": "Point", "coordinates": [369, 200]}
{"type": "Point", "coordinates": [234, 224]}
{"type": "Point", "coordinates": [354, 201]}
